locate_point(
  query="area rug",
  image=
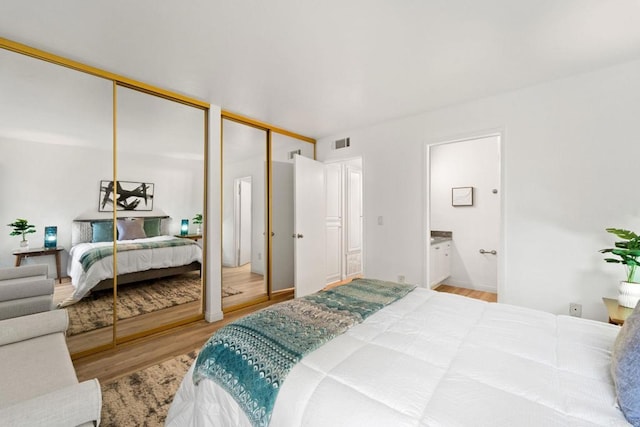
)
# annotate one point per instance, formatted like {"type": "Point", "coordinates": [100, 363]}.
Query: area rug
{"type": "Point", "coordinates": [143, 398]}
{"type": "Point", "coordinates": [96, 311]}
{"type": "Point", "coordinates": [228, 291]}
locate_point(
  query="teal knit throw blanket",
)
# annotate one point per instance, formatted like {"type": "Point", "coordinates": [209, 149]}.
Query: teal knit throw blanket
{"type": "Point", "coordinates": [251, 357]}
{"type": "Point", "coordinates": [94, 255]}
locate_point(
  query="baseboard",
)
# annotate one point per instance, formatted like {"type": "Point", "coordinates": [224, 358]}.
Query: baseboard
{"type": "Point", "coordinates": [213, 316]}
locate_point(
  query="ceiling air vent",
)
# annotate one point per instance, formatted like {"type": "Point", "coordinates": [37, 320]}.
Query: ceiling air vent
{"type": "Point", "coordinates": [341, 143]}
{"type": "Point", "coordinates": [294, 152]}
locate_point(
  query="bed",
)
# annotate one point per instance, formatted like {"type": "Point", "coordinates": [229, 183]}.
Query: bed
{"type": "Point", "coordinates": [435, 359]}
{"type": "Point", "coordinates": [143, 253]}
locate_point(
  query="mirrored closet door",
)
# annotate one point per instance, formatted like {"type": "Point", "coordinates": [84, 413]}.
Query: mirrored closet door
{"type": "Point", "coordinates": [160, 187]}
{"type": "Point", "coordinates": [56, 136]}
{"type": "Point", "coordinates": [244, 214]}
{"type": "Point", "coordinates": [258, 209]}
{"type": "Point", "coordinates": [60, 167]}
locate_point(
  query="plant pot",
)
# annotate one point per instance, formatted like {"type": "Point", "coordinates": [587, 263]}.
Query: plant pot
{"type": "Point", "coordinates": [24, 244]}
{"type": "Point", "coordinates": [628, 294]}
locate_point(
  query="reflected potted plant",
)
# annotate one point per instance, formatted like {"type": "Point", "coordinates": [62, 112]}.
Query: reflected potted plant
{"type": "Point", "coordinates": [21, 227]}
{"type": "Point", "coordinates": [626, 252]}
{"type": "Point", "coordinates": [198, 221]}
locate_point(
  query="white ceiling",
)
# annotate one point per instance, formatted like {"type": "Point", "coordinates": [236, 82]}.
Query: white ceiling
{"type": "Point", "coordinates": [323, 67]}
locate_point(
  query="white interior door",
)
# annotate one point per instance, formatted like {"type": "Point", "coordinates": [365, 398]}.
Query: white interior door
{"type": "Point", "coordinates": [243, 220]}
{"type": "Point", "coordinates": [282, 226]}
{"type": "Point", "coordinates": [333, 191]}
{"type": "Point", "coordinates": [245, 215]}
{"type": "Point", "coordinates": [353, 247]}
{"type": "Point", "coordinates": [309, 231]}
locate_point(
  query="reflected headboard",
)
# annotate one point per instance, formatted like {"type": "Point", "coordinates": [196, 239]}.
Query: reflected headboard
{"type": "Point", "coordinates": [82, 230]}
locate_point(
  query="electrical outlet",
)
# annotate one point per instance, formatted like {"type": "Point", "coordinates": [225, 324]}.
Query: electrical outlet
{"type": "Point", "coordinates": [401, 278]}
{"type": "Point", "coordinates": [575, 309]}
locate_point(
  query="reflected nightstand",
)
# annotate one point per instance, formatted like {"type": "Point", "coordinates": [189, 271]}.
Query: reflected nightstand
{"type": "Point", "coordinates": [195, 237]}
{"type": "Point", "coordinates": [617, 313]}
{"type": "Point", "coordinates": [25, 253]}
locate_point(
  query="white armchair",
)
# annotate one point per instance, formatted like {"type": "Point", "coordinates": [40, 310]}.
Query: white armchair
{"type": "Point", "coordinates": [25, 290]}
{"type": "Point", "coordinates": [39, 383]}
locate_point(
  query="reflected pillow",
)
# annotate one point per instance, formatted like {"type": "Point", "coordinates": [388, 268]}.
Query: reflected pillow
{"type": "Point", "coordinates": [130, 229]}
{"type": "Point", "coordinates": [102, 231]}
{"type": "Point", "coordinates": [152, 227]}
{"type": "Point", "coordinates": [625, 367]}
{"type": "Point", "coordinates": [81, 232]}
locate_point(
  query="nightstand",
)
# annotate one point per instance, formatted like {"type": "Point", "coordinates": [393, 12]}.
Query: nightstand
{"type": "Point", "coordinates": [25, 253]}
{"type": "Point", "coordinates": [189, 236]}
{"type": "Point", "coordinates": [617, 313]}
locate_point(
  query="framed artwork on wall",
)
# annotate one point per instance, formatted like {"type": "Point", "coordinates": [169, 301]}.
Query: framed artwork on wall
{"type": "Point", "coordinates": [462, 196]}
{"type": "Point", "coordinates": [131, 196]}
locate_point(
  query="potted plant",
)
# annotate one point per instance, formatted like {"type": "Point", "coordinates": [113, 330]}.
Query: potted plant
{"type": "Point", "coordinates": [627, 252]}
{"type": "Point", "coordinates": [198, 220]}
{"type": "Point", "coordinates": [21, 227]}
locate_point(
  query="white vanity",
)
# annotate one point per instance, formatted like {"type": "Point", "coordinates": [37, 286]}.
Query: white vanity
{"type": "Point", "coordinates": [439, 260]}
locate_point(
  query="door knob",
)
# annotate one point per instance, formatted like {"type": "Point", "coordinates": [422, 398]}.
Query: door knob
{"type": "Point", "coordinates": [298, 236]}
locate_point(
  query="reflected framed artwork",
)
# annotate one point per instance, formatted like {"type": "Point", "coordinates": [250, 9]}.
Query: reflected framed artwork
{"type": "Point", "coordinates": [462, 196]}
{"type": "Point", "coordinates": [129, 196]}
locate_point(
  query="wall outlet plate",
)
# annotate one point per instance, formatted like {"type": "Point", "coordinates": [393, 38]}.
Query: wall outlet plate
{"type": "Point", "coordinates": [401, 278]}
{"type": "Point", "coordinates": [575, 309]}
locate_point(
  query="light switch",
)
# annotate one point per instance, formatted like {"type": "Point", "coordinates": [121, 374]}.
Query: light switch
{"type": "Point", "coordinates": [380, 220]}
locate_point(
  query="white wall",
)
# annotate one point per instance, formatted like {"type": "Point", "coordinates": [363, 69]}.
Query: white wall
{"type": "Point", "coordinates": [469, 163]}
{"type": "Point", "coordinates": [569, 163]}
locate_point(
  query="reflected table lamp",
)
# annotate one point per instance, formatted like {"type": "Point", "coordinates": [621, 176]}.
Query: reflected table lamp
{"type": "Point", "coordinates": [184, 228]}
{"type": "Point", "coordinates": [50, 237]}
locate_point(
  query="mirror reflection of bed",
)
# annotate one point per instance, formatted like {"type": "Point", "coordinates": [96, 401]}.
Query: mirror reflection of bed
{"type": "Point", "coordinates": [73, 148]}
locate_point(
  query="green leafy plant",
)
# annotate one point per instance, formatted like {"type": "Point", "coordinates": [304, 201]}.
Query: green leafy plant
{"type": "Point", "coordinates": [197, 219]}
{"type": "Point", "coordinates": [627, 252]}
{"type": "Point", "coordinates": [21, 227]}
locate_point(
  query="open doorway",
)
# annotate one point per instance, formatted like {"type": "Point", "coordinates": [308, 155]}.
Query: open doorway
{"type": "Point", "coordinates": [464, 213]}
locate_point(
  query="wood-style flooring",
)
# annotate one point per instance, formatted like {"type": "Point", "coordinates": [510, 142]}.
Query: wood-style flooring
{"type": "Point", "coordinates": [471, 293]}
{"type": "Point", "coordinates": [129, 357]}
{"type": "Point", "coordinates": [133, 356]}
{"type": "Point", "coordinates": [251, 285]}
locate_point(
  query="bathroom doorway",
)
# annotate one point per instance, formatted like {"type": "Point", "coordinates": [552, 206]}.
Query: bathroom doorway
{"type": "Point", "coordinates": [464, 203]}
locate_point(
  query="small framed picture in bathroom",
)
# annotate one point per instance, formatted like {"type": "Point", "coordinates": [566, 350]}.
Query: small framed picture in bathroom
{"type": "Point", "coordinates": [462, 196]}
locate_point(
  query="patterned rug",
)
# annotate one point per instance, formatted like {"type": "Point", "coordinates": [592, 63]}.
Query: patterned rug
{"type": "Point", "coordinates": [228, 291]}
{"type": "Point", "coordinates": [143, 398]}
{"type": "Point", "coordinates": [96, 311]}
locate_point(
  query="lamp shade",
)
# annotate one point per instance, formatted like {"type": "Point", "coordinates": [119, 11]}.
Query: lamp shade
{"type": "Point", "coordinates": [50, 237]}
{"type": "Point", "coordinates": [184, 228]}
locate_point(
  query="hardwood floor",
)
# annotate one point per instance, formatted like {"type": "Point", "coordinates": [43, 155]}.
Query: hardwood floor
{"type": "Point", "coordinates": [471, 293]}
{"type": "Point", "coordinates": [133, 356]}
{"type": "Point", "coordinates": [251, 285]}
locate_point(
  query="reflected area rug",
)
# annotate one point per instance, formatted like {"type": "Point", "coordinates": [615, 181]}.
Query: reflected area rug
{"type": "Point", "coordinates": [143, 398]}
{"type": "Point", "coordinates": [228, 291]}
{"type": "Point", "coordinates": [96, 311]}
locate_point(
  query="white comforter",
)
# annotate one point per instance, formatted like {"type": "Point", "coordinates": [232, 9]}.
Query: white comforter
{"type": "Point", "coordinates": [434, 359]}
{"type": "Point", "coordinates": [128, 262]}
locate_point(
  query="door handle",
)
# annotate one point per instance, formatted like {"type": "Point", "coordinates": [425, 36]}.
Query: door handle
{"type": "Point", "coordinates": [298, 236]}
{"type": "Point", "coordinates": [492, 252]}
